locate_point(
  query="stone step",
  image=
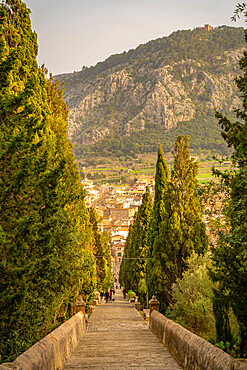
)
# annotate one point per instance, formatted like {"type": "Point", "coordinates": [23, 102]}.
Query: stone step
{"type": "Point", "coordinates": [117, 337]}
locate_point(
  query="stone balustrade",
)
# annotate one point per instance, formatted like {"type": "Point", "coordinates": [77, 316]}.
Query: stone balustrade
{"type": "Point", "coordinates": [189, 350]}
{"type": "Point", "coordinates": [52, 351]}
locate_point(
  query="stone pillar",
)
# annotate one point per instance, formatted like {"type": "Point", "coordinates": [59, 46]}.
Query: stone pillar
{"type": "Point", "coordinates": [97, 296]}
{"type": "Point", "coordinates": [154, 304]}
{"type": "Point", "coordinates": [80, 305]}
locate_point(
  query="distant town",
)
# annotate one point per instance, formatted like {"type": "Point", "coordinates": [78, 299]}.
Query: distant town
{"type": "Point", "coordinates": [116, 207]}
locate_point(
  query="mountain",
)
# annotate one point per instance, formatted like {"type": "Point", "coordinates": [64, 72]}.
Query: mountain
{"type": "Point", "coordinates": [170, 86]}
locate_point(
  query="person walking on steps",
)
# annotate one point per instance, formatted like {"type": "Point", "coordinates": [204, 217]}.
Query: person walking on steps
{"type": "Point", "coordinates": [102, 295]}
{"type": "Point", "coordinates": [106, 296]}
{"type": "Point", "coordinates": [124, 293]}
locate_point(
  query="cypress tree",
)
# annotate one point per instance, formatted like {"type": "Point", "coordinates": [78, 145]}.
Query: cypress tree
{"type": "Point", "coordinates": [45, 247]}
{"type": "Point", "coordinates": [79, 227]}
{"type": "Point", "coordinates": [180, 229]}
{"type": "Point", "coordinates": [140, 247]}
{"type": "Point", "coordinates": [154, 271]}
{"type": "Point", "coordinates": [133, 270]}
{"type": "Point", "coordinates": [28, 200]}
{"type": "Point", "coordinates": [102, 254]}
{"type": "Point", "coordinates": [125, 273]}
{"type": "Point", "coordinates": [186, 206]}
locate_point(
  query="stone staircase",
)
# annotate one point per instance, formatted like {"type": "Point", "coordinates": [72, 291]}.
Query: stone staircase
{"type": "Point", "coordinates": [117, 337]}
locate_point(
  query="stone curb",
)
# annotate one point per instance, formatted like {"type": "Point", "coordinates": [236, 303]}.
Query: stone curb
{"type": "Point", "coordinates": [52, 351]}
{"type": "Point", "coordinates": [189, 350]}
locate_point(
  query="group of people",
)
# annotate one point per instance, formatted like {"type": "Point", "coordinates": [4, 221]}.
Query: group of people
{"type": "Point", "coordinates": [107, 295]}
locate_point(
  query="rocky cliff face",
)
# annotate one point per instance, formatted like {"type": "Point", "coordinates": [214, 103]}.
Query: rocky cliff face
{"type": "Point", "coordinates": [149, 90]}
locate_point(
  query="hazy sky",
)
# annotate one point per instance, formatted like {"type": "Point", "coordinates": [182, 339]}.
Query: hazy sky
{"type": "Point", "coordinates": [73, 33]}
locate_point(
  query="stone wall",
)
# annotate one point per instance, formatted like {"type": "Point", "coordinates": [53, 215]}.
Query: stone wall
{"type": "Point", "coordinates": [52, 351]}
{"type": "Point", "coordinates": [189, 350]}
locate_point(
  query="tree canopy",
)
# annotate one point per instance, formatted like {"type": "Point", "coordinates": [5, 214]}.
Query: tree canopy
{"type": "Point", "coordinates": [179, 230]}
{"type": "Point", "coordinates": [46, 235]}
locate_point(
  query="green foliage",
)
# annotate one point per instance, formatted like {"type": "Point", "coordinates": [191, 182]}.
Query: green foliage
{"type": "Point", "coordinates": [131, 294]}
{"type": "Point", "coordinates": [232, 348]}
{"type": "Point", "coordinates": [32, 216]}
{"type": "Point", "coordinates": [192, 297]}
{"type": "Point", "coordinates": [193, 305]}
{"type": "Point", "coordinates": [102, 254]}
{"type": "Point", "coordinates": [229, 258]}
{"type": "Point", "coordinates": [133, 266]}
{"type": "Point", "coordinates": [46, 238]}
{"type": "Point", "coordinates": [221, 307]}
{"type": "Point", "coordinates": [206, 136]}
{"type": "Point", "coordinates": [178, 229]}
{"type": "Point", "coordinates": [154, 270]}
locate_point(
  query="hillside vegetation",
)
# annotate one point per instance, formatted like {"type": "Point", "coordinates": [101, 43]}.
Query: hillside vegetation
{"type": "Point", "coordinates": [132, 101]}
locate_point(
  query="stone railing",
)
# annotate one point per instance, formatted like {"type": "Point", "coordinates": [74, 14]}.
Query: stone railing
{"type": "Point", "coordinates": [52, 351]}
{"type": "Point", "coordinates": [189, 350]}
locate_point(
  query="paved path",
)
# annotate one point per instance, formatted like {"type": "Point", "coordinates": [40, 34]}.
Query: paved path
{"type": "Point", "coordinates": [117, 337]}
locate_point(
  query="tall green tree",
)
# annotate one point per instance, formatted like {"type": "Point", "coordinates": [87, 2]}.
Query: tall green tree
{"type": "Point", "coordinates": [133, 268]}
{"type": "Point", "coordinates": [229, 256]}
{"type": "Point", "coordinates": [31, 212]}
{"type": "Point", "coordinates": [180, 229]}
{"type": "Point", "coordinates": [186, 207]}
{"type": "Point", "coordinates": [154, 271]}
{"type": "Point", "coordinates": [102, 254]}
{"type": "Point", "coordinates": [45, 230]}
{"type": "Point", "coordinates": [83, 268]}
{"type": "Point", "coordinates": [124, 273]}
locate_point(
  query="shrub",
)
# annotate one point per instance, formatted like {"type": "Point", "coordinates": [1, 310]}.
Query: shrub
{"type": "Point", "coordinates": [192, 298]}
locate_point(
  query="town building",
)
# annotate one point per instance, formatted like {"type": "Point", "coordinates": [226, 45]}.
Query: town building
{"type": "Point", "coordinates": [116, 207]}
{"type": "Point", "coordinates": [206, 27]}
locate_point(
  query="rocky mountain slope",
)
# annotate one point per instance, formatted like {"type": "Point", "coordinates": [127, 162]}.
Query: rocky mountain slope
{"type": "Point", "coordinates": [133, 100]}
